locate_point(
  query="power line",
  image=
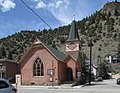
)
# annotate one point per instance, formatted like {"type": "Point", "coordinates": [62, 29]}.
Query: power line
{"type": "Point", "coordinates": [36, 14]}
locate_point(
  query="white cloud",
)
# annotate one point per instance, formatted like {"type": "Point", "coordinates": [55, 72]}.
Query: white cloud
{"type": "Point", "coordinates": [6, 5]}
{"type": "Point", "coordinates": [63, 10]}
{"type": "Point", "coordinates": [59, 9]}
{"type": "Point", "coordinates": [58, 4]}
{"type": "Point", "coordinates": [40, 4]}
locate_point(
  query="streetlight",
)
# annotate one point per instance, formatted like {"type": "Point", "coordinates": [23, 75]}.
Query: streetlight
{"type": "Point", "coordinates": [90, 44]}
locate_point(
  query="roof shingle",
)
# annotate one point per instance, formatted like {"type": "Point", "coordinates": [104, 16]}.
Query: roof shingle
{"type": "Point", "coordinates": [73, 35]}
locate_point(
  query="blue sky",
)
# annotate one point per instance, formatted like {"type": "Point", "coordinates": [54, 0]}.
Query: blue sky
{"type": "Point", "coordinates": [15, 16]}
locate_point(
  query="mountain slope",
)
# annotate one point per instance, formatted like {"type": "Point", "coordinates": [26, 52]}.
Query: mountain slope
{"type": "Point", "coordinates": [103, 27]}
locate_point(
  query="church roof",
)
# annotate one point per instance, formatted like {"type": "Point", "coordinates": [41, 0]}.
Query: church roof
{"type": "Point", "coordinates": [7, 60]}
{"type": "Point", "coordinates": [73, 35]}
{"type": "Point", "coordinates": [75, 57]}
{"type": "Point", "coordinates": [57, 54]}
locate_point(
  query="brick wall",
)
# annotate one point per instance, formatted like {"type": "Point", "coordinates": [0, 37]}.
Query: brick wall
{"type": "Point", "coordinates": [27, 67]}
{"type": "Point", "coordinates": [72, 64]}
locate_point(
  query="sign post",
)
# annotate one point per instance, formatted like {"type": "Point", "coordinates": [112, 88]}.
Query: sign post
{"type": "Point", "coordinates": [78, 75]}
{"type": "Point", "coordinates": [51, 73]}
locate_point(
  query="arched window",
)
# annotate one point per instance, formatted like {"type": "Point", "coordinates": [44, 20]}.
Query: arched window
{"type": "Point", "coordinates": [38, 68]}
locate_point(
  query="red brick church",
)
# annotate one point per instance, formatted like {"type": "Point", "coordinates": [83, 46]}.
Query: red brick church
{"type": "Point", "coordinates": [42, 64]}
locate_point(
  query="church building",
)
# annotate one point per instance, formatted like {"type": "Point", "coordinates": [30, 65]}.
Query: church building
{"type": "Point", "coordinates": [43, 65]}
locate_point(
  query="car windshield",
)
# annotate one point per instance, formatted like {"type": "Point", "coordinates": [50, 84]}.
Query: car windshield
{"type": "Point", "coordinates": [3, 84]}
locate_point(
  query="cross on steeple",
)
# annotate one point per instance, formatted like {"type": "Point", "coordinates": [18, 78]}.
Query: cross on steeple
{"type": "Point", "coordinates": [73, 17]}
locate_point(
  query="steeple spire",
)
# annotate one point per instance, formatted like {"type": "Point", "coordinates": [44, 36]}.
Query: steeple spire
{"type": "Point", "coordinates": [73, 35]}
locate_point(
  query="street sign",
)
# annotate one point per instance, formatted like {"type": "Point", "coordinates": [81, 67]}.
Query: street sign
{"type": "Point", "coordinates": [50, 72]}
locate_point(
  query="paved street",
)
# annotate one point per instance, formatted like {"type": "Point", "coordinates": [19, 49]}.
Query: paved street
{"type": "Point", "coordinates": [107, 86]}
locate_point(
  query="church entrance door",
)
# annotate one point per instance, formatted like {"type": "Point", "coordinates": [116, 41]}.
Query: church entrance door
{"type": "Point", "coordinates": [69, 74]}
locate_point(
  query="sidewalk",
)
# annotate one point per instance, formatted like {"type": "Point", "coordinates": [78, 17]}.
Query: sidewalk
{"type": "Point", "coordinates": [62, 86]}
{"type": "Point", "coordinates": [48, 87]}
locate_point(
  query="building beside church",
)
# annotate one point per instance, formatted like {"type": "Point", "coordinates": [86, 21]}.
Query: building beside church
{"type": "Point", "coordinates": [42, 64]}
{"type": "Point", "coordinates": [8, 69]}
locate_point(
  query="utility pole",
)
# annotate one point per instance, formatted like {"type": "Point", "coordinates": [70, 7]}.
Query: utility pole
{"type": "Point", "coordinates": [1, 69]}
{"type": "Point", "coordinates": [90, 44]}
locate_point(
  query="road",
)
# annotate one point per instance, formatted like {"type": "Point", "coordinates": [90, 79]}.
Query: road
{"type": "Point", "coordinates": [107, 86]}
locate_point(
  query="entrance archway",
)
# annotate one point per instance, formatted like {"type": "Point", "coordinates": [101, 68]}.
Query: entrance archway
{"type": "Point", "coordinates": [69, 74]}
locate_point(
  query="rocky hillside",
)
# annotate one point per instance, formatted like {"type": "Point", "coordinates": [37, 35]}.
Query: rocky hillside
{"type": "Point", "coordinates": [103, 27]}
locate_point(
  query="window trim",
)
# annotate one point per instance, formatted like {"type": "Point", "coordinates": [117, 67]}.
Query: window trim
{"type": "Point", "coordinates": [38, 68]}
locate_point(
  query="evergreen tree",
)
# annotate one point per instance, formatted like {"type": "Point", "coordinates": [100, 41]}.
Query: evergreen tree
{"type": "Point", "coordinates": [84, 68]}
{"type": "Point", "coordinates": [116, 13]}
{"type": "Point", "coordinates": [2, 52]}
{"type": "Point", "coordinates": [108, 15]}
{"type": "Point", "coordinates": [104, 69]}
{"type": "Point", "coordinates": [10, 55]}
{"type": "Point", "coordinates": [118, 50]}
{"type": "Point", "coordinates": [100, 28]}
{"type": "Point", "coordinates": [119, 21]}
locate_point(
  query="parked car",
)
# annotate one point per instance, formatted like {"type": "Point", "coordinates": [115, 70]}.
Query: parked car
{"type": "Point", "coordinates": [6, 87]}
{"type": "Point", "coordinates": [118, 81]}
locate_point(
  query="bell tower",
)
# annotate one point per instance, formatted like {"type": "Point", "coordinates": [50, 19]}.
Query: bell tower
{"type": "Point", "coordinates": [73, 42]}
{"type": "Point", "coordinates": [72, 45]}
{"type": "Point", "coordinates": [73, 51]}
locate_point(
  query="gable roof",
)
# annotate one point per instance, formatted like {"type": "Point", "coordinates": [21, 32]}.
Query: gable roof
{"type": "Point", "coordinates": [75, 57]}
{"type": "Point", "coordinates": [57, 54]}
{"type": "Point", "coordinates": [73, 35]}
{"type": "Point", "coordinates": [69, 56]}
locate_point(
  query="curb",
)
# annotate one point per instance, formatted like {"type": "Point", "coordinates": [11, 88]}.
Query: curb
{"type": "Point", "coordinates": [50, 87]}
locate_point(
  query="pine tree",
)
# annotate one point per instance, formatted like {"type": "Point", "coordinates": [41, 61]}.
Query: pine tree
{"type": "Point", "coordinates": [84, 68]}
{"type": "Point", "coordinates": [2, 52]}
{"type": "Point", "coordinates": [118, 50]}
{"type": "Point", "coordinates": [10, 55]}
{"type": "Point", "coordinates": [104, 69]}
